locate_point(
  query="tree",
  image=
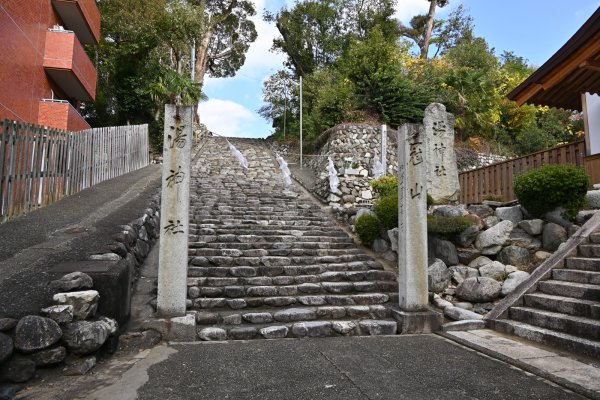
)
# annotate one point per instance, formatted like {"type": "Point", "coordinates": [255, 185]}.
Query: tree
{"type": "Point", "coordinates": [221, 47]}
{"type": "Point", "coordinates": [314, 34]}
{"type": "Point", "coordinates": [429, 25]}
{"type": "Point", "coordinates": [144, 61]}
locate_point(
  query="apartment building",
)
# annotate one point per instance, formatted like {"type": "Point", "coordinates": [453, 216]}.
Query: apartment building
{"type": "Point", "coordinates": [45, 73]}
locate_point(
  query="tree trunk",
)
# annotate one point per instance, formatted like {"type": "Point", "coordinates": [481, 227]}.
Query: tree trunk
{"type": "Point", "coordinates": [428, 28]}
{"type": "Point", "coordinates": [202, 58]}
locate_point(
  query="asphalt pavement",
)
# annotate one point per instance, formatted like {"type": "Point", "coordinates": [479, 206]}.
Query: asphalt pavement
{"type": "Point", "coordinates": [68, 230]}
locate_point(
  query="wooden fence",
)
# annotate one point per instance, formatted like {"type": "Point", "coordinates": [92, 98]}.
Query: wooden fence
{"type": "Point", "coordinates": [497, 179]}
{"type": "Point", "coordinates": [39, 166]}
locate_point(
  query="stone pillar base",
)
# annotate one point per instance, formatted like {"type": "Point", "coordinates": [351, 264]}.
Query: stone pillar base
{"type": "Point", "coordinates": [418, 321]}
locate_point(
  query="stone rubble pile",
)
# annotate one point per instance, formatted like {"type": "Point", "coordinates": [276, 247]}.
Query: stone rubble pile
{"type": "Point", "coordinates": [68, 333]}
{"type": "Point", "coordinates": [267, 262]}
{"type": "Point", "coordinates": [477, 267]}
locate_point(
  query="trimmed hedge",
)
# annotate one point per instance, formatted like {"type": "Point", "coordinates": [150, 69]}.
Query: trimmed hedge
{"type": "Point", "coordinates": [544, 189]}
{"type": "Point", "coordinates": [367, 229]}
{"type": "Point", "coordinates": [447, 226]}
{"type": "Point", "coordinates": [386, 185]}
{"type": "Point", "coordinates": [386, 210]}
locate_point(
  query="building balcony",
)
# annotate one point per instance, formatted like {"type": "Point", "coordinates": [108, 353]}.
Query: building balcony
{"type": "Point", "coordinates": [60, 114]}
{"type": "Point", "coordinates": [80, 16]}
{"type": "Point", "coordinates": [68, 65]}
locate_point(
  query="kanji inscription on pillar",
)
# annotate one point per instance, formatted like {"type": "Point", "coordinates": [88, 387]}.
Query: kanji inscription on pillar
{"type": "Point", "coordinates": [174, 219]}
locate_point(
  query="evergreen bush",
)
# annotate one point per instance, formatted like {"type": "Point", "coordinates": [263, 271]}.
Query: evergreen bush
{"type": "Point", "coordinates": [385, 186]}
{"type": "Point", "coordinates": [446, 227]}
{"type": "Point", "coordinates": [544, 189]}
{"type": "Point", "coordinates": [367, 229]}
{"type": "Point", "coordinates": [386, 210]}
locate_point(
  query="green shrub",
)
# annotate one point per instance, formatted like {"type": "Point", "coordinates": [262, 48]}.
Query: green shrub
{"type": "Point", "coordinates": [367, 228]}
{"type": "Point", "coordinates": [543, 189]}
{"type": "Point", "coordinates": [447, 226]}
{"type": "Point", "coordinates": [385, 186]}
{"type": "Point", "coordinates": [386, 210]}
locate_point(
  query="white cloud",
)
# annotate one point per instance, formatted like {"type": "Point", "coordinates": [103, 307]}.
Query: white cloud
{"type": "Point", "coordinates": [226, 117]}
{"type": "Point", "coordinates": [406, 9]}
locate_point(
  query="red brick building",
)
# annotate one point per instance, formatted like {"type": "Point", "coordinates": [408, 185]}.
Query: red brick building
{"type": "Point", "coordinates": [45, 73]}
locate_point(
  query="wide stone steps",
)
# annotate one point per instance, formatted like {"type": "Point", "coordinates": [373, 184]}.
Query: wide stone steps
{"type": "Point", "coordinates": [237, 303]}
{"type": "Point", "coordinates": [270, 315]}
{"type": "Point", "coordinates": [578, 276]}
{"type": "Point", "coordinates": [210, 243]}
{"type": "Point", "coordinates": [549, 337]}
{"type": "Point", "coordinates": [265, 262]}
{"type": "Point", "coordinates": [204, 251]}
{"type": "Point", "coordinates": [570, 289]}
{"type": "Point", "coordinates": [302, 329]}
{"type": "Point", "coordinates": [272, 238]}
{"type": "Point", "coordinates": [573, 325]}
{"type": "Point", "coordinates": [562, 304]}
{"type": "Point", "coordinates": [582, 263]}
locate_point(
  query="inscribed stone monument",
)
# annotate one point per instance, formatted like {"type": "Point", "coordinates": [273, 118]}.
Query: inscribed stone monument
{"type": "Point", "coordinates": [174, 218]}
{"type": "Point", "coordinates": [442, 173]}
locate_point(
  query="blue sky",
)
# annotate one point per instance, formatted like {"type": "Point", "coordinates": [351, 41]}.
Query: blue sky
{"type": "Point", "coordinates": [534, 29]}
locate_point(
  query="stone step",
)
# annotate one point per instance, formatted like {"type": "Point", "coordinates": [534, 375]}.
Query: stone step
{"type": "Point", "coordinates": [299, 273]}
{"type": "Point", "coordinates": [269, 315]}
{"type": "Point", "coordinates": [589, 250]}
{"type": "Point", "coordinates": [561, 304]}
{"type": "Point", "coordinates": [274, 261]}
{"type": "Point", "coordinates": [276, 300]}
{"type": "Point", "coordinates": [582, 263]}
{"type": "Point", "coordinates": [549, 337]}
{"type": "Point", "coordinates": [241, 269]}
{"type": "Point", "coordinates": [212, 243]}
{"type": "Point", "coordinates": [570, 289]}
{"type": "Point", "coordinates": [230, 237]}
{"type": "Point", "coordinates": [309, 232]}
{"type": "Point", "coordinates": [283, 226]}
{"type": "Point", "coordinates": [573, 325]}
{"type": "Point", "coordinates": [202, 251]}
{"type": "Point", "coordinates": [301, 329]}
{"type": "Point", "coordinates": [594, 237]}
{"type": "Point", "coordinates": [574, 275]}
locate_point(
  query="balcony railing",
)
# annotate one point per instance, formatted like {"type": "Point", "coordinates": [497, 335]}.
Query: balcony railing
{"type": "Point", "coordinates": [60, 114]}
{"type": "Point", "coordinates": [80, 16]}
{"type": "Point", "coordinates": [68, 65]}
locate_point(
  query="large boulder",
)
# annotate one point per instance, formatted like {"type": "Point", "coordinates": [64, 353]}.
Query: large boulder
{"type": "Point", "coordinates": [491, 241]}
{"type": "Point", "coordinates": [35, 333]}
{"type": "Point", "coordinates": [85, 337]}
{"type": "Point", "coordinates": [553, 235]}
{"type": "Point", "coordinates": [481, 210]}
{"type": "Point", "coordinates": [460, 272]}
{"type": "Point", "coordinates": [393, 236]}
{"type": "Point", "coordinates": [556, 216]}
{"type": "Point", "coordinates": [6, 347]}
{"type": "Point", "coordinates": [18, 369]}
{"type": "Point", "coordinates": [449, 210]}
{"type": "Point", "coordinates": [444, 250]}
{"type": "Point", "coordinates": [514, 279]}
{"type": "Point", "coordinates": [438, 276]}
{"type": "Point", "coordinates": [72, 281]}
{"type": "Point", "coordinates": [592, 198]}
{"type": "Point", "coordinates": [85, 303]}
{"type": "Point", "coordinates": [480, 262]}
{"type": "Point", "coordinates": [48, 357]}
{"type": "Point", "coordinates": [468, 236]}
{"type": "Point", "coordinates": [496, 270]}
{"type": "Point", "coordinates": [466, 255]}
{"type": "Point", "coordinates": [460, 314]}
{"type": "Point", "coordinates": [512, 214]}
{"type": "Point", "coordinates": [521, 238]}
{"type": "Point", "coordinates": [479, 290]}
{"type": "Point", "coordinates": [514, 255]}
{"type": "Point", "coordinates": [532, 226]}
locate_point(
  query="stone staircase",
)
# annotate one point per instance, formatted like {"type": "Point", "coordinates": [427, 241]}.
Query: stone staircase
{"type": "Point", "coordinates": [266, 262]}
{"type": "Point", "coordinates": [565, 309]}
